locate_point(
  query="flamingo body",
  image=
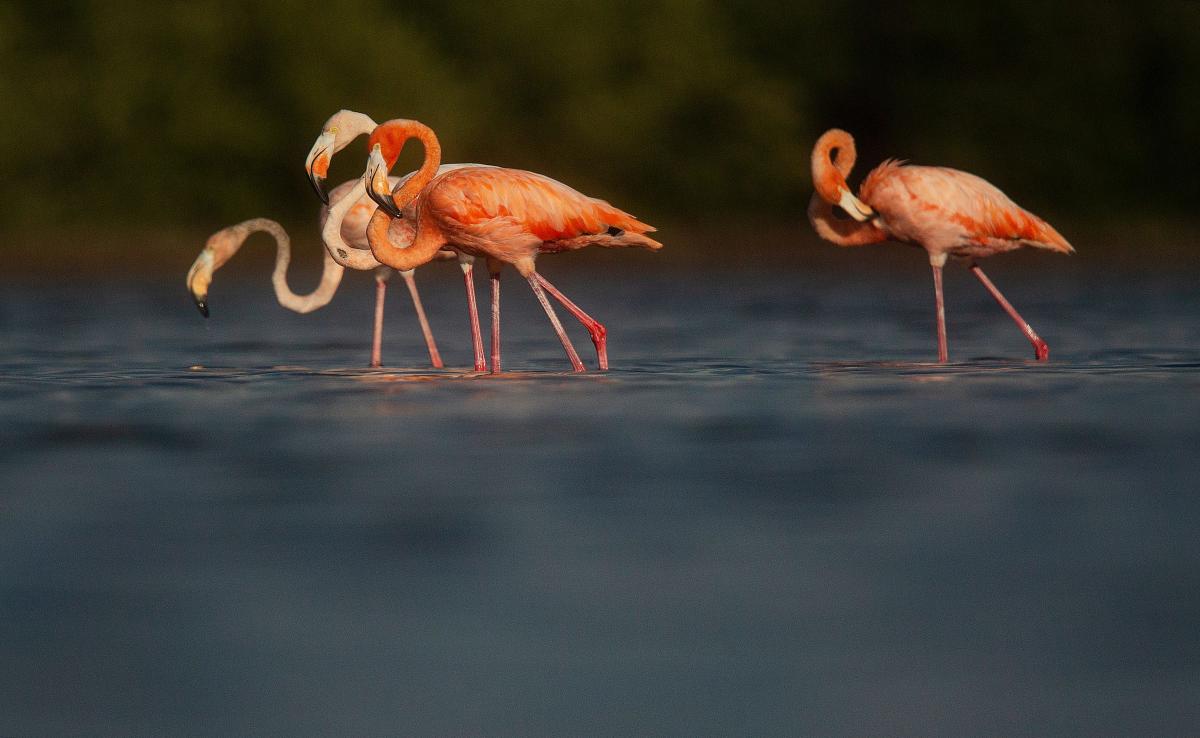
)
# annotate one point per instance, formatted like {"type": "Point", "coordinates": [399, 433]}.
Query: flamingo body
{"type": "Point", "coordinates": [947, 212]}
{"type": "Point", "coordinates": [512, 215]}
{"type": "Point", "coordinates": [508, 216]}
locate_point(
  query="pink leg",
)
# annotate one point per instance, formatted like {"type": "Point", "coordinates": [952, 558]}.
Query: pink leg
{"type": "Point", "coordinates": [943, 350]}
{"type": "Point", "coordinates": [377, 337]}
{"type": "Point", "coordinates": [495, 322]}
{"type": "Point", "coordinates": [434, 357]}
{"type": "Point", "coordinates": [598, 332]}
{"type": "Point", "coordinates": [476, 336]}
{"type": "Point", "coordinates": [535, 283]}
{"type": "Point", "coordinates": [1040, 349]}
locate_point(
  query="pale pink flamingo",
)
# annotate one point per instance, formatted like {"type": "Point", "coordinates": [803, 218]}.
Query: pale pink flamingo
{"type": "Point", "coordinates": [944, 211]}
{"type": "Point", "coordinates": [344, 234]}
{"type": "Point", "coordinates": [506, 215]}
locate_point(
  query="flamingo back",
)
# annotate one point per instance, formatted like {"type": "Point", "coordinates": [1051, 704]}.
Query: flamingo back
{"type": "Point", "coordinates": [946, 208]}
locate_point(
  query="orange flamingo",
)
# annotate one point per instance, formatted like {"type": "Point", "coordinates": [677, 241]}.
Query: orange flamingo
{"type": "Point", "coordinates": [944, 211]}
{"type": "Point", "coordinates": [508, 216]}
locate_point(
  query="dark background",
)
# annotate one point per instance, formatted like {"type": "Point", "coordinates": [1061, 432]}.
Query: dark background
{"type": "Point", "coordinates": [133, 129]}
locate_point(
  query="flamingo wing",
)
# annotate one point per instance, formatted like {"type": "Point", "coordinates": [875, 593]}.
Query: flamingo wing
{"type": "Point", "coordinates": [979, 208]}
{"type": "Point", "coordinates": [514, 199]}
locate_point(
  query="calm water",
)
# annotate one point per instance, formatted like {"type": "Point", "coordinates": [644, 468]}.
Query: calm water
{"type": "Point", "coordinates": [770, 518]}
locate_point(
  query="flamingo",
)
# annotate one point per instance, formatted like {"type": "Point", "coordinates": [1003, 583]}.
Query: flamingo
{"type": "Point", "coordinates": [944, 211]}
{"type": "Point", "coordinates": [349, 245]}
{"type": "Point", "coordinates": [350, 248]}
{"type": "Point", "coordinates": [508, 216]}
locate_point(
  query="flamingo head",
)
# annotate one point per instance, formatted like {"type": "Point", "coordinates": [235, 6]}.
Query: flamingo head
{"type": "Point", "coordinates": [833, 158]}
{"type": "Point", "coordinates": [220, 247]}
{"type": "Point", "coordinates": [375, 177]}
{"type": "Point", "coordinates": [342, 127]}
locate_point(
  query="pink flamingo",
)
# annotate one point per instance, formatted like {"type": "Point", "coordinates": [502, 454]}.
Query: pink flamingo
{"type": "Point", "coordinates": [344, 233]}
{"type": "Point", "coordinates": [508, 216]}
{"type": "Point", "coordinates": [944, 211]}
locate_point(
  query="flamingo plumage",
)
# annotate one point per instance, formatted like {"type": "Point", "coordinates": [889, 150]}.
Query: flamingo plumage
{"type": "Point", "coordinates": [947, 212]}
{"type": "Point", "coordinates": [508, 216]}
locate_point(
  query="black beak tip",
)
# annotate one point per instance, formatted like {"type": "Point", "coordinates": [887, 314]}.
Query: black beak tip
{"type": "Point", "coordinates": [316, 185]}
{"type": "Point", "coordinates": [202, 306]}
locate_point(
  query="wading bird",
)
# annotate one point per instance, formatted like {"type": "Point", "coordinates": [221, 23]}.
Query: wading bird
{"type": "Point", "coordinates": [508, 216]}
{"type": "Point", "coordinates": [944, 211]}
{"type": "Point", "coordinates": [349, 246]}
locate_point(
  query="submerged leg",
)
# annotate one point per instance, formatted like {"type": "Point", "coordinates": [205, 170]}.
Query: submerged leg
{"type": "Point", "coordinates": [535, 283]}
{"type": "Point", "coordinates": [435, 358]}
{"type": "Point", "coordinates": [943, 351]}
{"type": "Point", "coordinates": [1040, 349]}
{"type": "Point", "coordinates": [377, 336]}
{"type": "Point", "coordinates": [476, 336]}
{"type": "Point", "coordinates": [598, 332]}
{"type": "Point", "coordinates": [495, 322]}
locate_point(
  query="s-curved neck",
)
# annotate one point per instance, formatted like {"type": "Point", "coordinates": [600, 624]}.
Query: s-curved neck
{"type": "Point", "coordinates": [331, 273]}
{"type": "Point", "coordinates": [427, 241]}
{"type": "Point", "coordinates": [391, 137]}
{"type": "Point", "coordinates": [833, 158]}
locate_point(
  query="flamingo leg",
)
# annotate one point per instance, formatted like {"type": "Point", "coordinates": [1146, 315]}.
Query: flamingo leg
{"type": "Point", "coordinates": [1040, 349]}
{"type": "Point", "coordinates": [472, 306]}
{"type": "Point", "coordinates": [597, 330]}
{"type": "Point", "coordinates": [943, 350]}
{"type": "Point", "coordinates": [377, 334]}
{"type": "Point", "coordinates": [536, 283]}
{"type": "Point", "coordinates": [495, 322]}
{"type": "Point", "coordinates": [435, 358]}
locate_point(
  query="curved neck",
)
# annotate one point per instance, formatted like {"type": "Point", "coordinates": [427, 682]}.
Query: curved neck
{"type": "Point", "coordinates": [841, 231]}
{"type": "Point", "coordinates": [331, 273]}
{"type": "Point", "coordinates": [351, 124]}
{"type": "Point", "coordinates": [427, 241]}
{"type": "Point", "coordinates": [391, 137]}
{"type": "Point", "coordinates": [833, 158]}
{"type": "Point", "coordinates": [336, 247]}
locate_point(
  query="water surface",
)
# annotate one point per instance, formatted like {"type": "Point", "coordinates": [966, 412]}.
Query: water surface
{"type": "Point", "coordinates": [773, 516]}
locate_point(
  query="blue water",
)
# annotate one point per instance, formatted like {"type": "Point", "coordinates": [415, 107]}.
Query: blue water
{"type": "Point", "coordinates": [774, 516]}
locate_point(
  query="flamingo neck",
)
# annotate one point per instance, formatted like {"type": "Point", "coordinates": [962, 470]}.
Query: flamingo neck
{"type": "Point", "coordinates": [391, 137]}
{"type": "Point", "coordinates": [331, 273]}
{"type": "Point", "coordinates": [833, 159]}
{"type": "Point", "coordinates": [843, 232]}
{"type": "Point", "coordinates": [427, 241]}
{"type": "Point", "coordinates": [331, 232]}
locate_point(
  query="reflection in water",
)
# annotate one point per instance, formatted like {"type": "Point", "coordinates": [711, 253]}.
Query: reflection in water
{"type": "Point", "coordinates": [761, 521]}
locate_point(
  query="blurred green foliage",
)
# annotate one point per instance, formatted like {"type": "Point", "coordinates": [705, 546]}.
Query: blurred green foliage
{"type": "Point", "coordinates": [197, 113]}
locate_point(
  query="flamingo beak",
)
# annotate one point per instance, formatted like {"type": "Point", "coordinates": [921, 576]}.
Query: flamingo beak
{"type": "Point", "coordinates": [854, 207]}
{"type": "Point", "coordinates": [317, 163]}
{"type": "Point", "coordinates": [378, 187]}
{"type": "Point", "coordinates": [198, 279]}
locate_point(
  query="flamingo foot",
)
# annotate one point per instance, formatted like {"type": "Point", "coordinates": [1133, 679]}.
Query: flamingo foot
{"type": "Point", "coordinates": [594, 327]}
{"type": "Point", "coordinates": [1041, 350]}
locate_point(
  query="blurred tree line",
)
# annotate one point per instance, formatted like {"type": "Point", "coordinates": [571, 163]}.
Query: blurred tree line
{"type": "Point", "coordinates": [199, 112]}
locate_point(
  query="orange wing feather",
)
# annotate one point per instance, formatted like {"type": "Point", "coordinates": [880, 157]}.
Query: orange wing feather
{"type": "Point", "coordinates": [549, 209]}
